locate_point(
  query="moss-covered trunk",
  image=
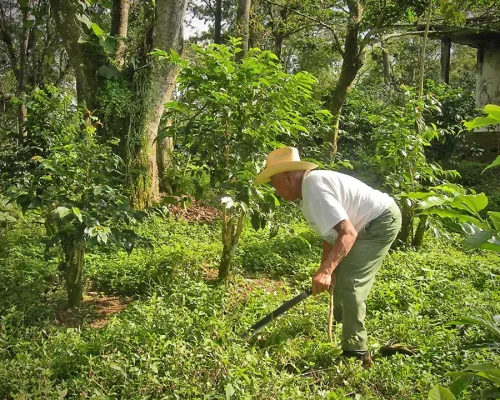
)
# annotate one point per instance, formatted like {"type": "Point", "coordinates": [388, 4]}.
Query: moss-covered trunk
{"type": "Point", "coordinates": [153, 88]}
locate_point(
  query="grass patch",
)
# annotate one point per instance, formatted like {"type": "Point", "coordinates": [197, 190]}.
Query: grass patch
{"type": "Point", "coordinates": [179, 337]}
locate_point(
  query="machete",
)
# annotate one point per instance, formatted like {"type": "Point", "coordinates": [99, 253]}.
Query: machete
{"type": "Point", "coordinates": [276, 313]}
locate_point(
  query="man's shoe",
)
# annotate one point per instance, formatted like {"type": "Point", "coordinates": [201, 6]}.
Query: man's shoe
{"type": "Point", "coordinates": [364, 356]}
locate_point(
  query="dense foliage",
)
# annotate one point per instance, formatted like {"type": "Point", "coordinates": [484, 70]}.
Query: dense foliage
{"type": "Point", "coordinates": [182, 325]}
{"type": "Point", "coordinates": [127, 154]}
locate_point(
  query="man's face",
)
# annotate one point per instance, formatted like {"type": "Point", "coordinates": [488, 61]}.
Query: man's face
{"type": "Point", "coordinates": [282, 183]}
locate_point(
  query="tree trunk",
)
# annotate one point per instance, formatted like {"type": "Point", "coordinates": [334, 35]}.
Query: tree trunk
{"type": "Point", "coordinates": [231, 232]}
{"type": "Point", "coordinates": [386, 67]}
{"type": "Point", "coordinates": [445, 59]}
{"type": "Point", "coordinates": [165, 162]}
{"type": "Point", "coordinates": [84, 58]}
{"type": "Point", "coordinates": [243, 25]}
{"type": "Point", "coordinates": [351, 64]}
{"type": "Point", "coordinates": [278, 46]}
{"type": "Point", "coordinates": [418, 238]}
{"type": "Point", "coordinates": [406, 225]}
{"type": "Point", "coordinates": [422, 51]}
{"type": "Point", "coordinates": [154, 87]}
{"type": "Point", "coordinates": [119, 27]}
{"type": "Point", "coordinates": [74, 270]}
{"type": "Point", "coordinates": [218, 22]}
{"type": "Point", "coordinates": [23, 63]}
{"type": "Point", "coordinates": [252, 32]}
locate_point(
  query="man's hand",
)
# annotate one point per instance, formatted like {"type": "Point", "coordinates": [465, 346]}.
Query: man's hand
{"type": "Point", "coordinates": [322, 281]}
{"type": "Point", "coordinates": [333, 255]}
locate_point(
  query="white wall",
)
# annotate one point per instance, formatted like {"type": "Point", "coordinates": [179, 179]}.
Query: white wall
{"type": "Point", "coordinates": [488, 77]}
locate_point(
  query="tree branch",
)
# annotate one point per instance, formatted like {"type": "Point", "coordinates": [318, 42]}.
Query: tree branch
{"type": "Point", "coordinates": [209, 5]}
{"type": "Point", "coordinates": [372, 31]}
{"type": "Point", "coordinates": [329, 27]}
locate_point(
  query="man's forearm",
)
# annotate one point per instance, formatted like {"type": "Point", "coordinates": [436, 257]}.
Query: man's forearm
{"type": "Point", "coordinates": [334, 254]}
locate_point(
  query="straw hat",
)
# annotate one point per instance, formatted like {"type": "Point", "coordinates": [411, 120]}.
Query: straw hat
{"type": "Point", "coordinates": [282, 160]}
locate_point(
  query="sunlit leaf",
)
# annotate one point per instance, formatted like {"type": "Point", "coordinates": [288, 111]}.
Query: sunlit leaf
{"type": "Point", "coordinates": [495, 218]}
{"type": "Point", "coordinates": [84, 19]}
{"type": "Point", "coordinates": [495, 163]}
{"type": "Point", "coordinates": [440, 393]}
{"type": "Point", "coordinates": [97, 30]}
{"type": "Point", "coordinates": [62, 211]}
{"type": "Point", "coordinates": [78, 213]}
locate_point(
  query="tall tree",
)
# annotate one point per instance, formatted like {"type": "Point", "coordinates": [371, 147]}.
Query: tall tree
{"type": "Point", "coordinates": [243, 24]}
{"type": "Point", "coordinates": [101, 60]}
{"type": "Point", "coordinates": [154, 88]}
{"type": "Point", "coordinates": [119, 28]}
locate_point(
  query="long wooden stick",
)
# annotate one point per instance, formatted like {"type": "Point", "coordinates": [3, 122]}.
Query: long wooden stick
{"type": "Point", "coordinates": [330, 315]}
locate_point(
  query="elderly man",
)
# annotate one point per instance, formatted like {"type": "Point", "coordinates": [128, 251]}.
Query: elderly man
{"type": "Point", "coordinates": [357, 224]}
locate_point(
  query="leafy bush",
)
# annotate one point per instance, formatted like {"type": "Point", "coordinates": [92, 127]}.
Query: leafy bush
{"type": "Point", "coordinates": [229, 114]}
{"type": "Point", "coordinates": [184, 327]}
{"type": "Point", "coordinates": [74, 182]}
{"type": "Point", "coordinates": [26, 276]}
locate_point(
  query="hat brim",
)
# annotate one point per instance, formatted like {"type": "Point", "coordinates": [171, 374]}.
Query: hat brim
{"type": "Point", "coordinates": [265, 175]}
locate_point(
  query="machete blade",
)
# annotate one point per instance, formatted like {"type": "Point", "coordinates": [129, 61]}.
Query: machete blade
{"type": "Point", "coordinates": [275, 314]}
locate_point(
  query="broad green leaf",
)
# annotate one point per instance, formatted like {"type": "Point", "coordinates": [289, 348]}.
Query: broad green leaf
{"type": "Point", "coordinates": [495, 163]}
{"type": "Point", "coordinates": [62, 393]}
{"type": "Point", "coordinates": [489, 325]}
{"type": "Point", "coordinates": [493, 393]}
{"type": "Point", "coordinates": [481, 122]}
{"type": "Point", "coordinates": [472, 202]}
{"type": "Point", "coordinates": [484, 367]}
{"type": "Point", "coordinates": [440, 393]}
{"type": "Point", "coordinates": [491, 246]}
{"type": "Point", "coordinates": [450, 188]}
{"type": "Point", "coordinates": [97, 30]}
{"type": "Point", "coordinates": [107, 43]}
{"type": "Point", "coordinates": [62, 211]}
{"type": "Point", "coordinates": [174, 56]}
{"type": "Point", "coordinates": [461, 382]}
{"type": "Point", "coordinates": [486, 372]}
{"type": "Point", "coordinates": [454, 214]}
{"type": "Point", "coordinates": [102, 237]}
{"type": "Point", "coordinates": [229, 391]}
{"type": "Point", "coordinates": [495, 218]}
{"type": "Point", "coordinates": [418, 195]}
{"type": "Point", "coordinates": [84, 19]}
{"type": "Point", "coordinates": [4, 217]}
{"type": "Point", "coordinates": [433, 201]}
{"type": "Point", "coordinates": [493, 110]}
{"type": "Point", "coordinates": [477, 239]}
{"type": "Point", "coordinates": [78, 213]}
{"type": "Point", "coordinates": [492, 375]}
